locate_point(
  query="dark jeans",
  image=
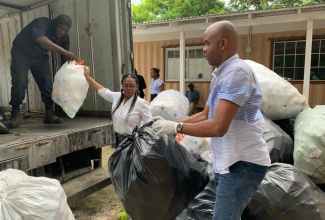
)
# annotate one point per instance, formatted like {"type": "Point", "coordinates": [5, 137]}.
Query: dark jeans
{"type": "Point", "coordinates": [152, 96]}
{"type": "Point", "coordinates": [234, 190]}
{"type": "Point", "coordinates": [40, 69]}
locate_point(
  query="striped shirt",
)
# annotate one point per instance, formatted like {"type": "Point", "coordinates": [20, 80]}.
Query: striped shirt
{"type": "Point", "coordinates": [155, 84]}
{"type": "Point", "coordinates": [235, 81]}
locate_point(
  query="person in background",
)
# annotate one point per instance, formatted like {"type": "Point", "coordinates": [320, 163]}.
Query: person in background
{"type": "Point", "coordinates": [313, 76]}
{"type": "Point", "coordinates": [157, 84]}
{"type": "Point", "coordinates": [234, 122]}
{"type": "Point", "coordinates": [193, 97]}
{"type": "Point", "coordinates": [142, 84]}
{"type": "Point", "coordinates": [128, 110]}
{"type": "Point", "coordinates": [29, 52]}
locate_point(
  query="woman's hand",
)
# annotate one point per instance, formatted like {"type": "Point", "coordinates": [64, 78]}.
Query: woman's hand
{"type": "Point", "coordinates": [86, 71]}
{"type": "Point", "coordinates": [92, 82]}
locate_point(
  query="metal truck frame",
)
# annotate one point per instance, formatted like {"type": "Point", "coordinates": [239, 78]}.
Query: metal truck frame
{"type": "Point", "coordinates": [71, 153]}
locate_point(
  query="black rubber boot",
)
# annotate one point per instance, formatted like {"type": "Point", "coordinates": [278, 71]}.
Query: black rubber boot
{"type": "Point", "coordinates": [14, 120]}
{"type": "Point", "coordinates": [50, 118]}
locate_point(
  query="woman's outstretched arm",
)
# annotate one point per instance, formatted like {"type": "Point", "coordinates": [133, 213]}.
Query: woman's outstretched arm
{"type": "Point", "coordinates": [93, 83]}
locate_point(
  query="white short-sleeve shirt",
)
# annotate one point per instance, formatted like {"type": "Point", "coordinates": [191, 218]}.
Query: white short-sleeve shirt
{"type": "Point", "coordinates": [155, 85]}
{"type": "Point", "coordinates": [140, 114]}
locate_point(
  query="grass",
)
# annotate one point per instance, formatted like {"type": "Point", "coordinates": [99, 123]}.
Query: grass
{"type": "Point", "coordinates": [102, 205]}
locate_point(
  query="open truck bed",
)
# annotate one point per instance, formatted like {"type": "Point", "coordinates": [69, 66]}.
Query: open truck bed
{"type": "Point", "coordinates": [32, 129]}
{"type": "Point", "coordinates": [101, 34]}
{"type": "Point", "coordinates": [70, 153]}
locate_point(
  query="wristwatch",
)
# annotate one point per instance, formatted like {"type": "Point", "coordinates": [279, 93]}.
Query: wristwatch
{"type": "Point", "coordinates": [179, 127]}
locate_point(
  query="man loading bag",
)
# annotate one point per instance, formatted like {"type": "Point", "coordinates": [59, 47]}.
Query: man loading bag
{"type": "Point", "coordinates": [29, 52]}
{"type": "Point", "coordinates": [234, 122]}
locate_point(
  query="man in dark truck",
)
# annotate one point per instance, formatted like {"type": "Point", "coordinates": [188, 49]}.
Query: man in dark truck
{"type": "Point", "coordinates": [29, 52]}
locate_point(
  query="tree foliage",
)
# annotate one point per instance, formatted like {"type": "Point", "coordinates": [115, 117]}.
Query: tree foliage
{"type": "Point", "coordinates": [154, 10]}
{"type": "Point", "coordinates": [247, 5]}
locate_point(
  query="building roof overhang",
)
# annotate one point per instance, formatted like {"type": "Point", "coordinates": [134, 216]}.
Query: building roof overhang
{"type": "Point", "coordinates": [273, 20]}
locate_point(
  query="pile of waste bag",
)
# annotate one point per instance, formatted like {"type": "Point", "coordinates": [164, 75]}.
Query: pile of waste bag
{"type": "Point", "coordinates": [148, 170]}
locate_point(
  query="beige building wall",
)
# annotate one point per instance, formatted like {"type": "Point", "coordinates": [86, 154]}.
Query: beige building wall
{"type": "Point", "coordinates": [152, 54]}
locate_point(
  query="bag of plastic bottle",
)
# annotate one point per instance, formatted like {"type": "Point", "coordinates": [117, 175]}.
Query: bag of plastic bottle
{"type": "Point", "coordinates": [277, 104]}
{"type": "Point", "coordinates": [155, 178]}
{"type": "Point", "coordinates": [170, 104]}
{"type": "Point", "coordinates": [309, 148]}
{"type": "Point", "coordinates": [33, 198]}
{"type": "Point", "coordinates": [70, 87]}
{"type": "Point", "coordinates": [195, 145]}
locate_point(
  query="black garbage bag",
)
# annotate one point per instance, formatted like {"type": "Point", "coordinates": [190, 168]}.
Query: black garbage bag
{"type": "Point", "coordinates": [155, 178]}
{"type": "Point", "coordinates": [279, 143]}
{"type": "Point", "coordinates": [3, 123]}
{"type": "Point", "coordinates": [4, 129]}
{"type": "Point", "coordinates": [202, 206]}
{"type": "Point", "coordinates": [286, 194]}
{"type": "Point", "coordinates": [287, 125]}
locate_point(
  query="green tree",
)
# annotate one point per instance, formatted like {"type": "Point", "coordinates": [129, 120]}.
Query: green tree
{"type": "Point", "coordinates": [246, 5]}
{"type": "Point", "coordinates": [155, 10]}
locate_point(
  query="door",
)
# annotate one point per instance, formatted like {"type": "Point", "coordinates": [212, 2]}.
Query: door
{"type": "Point", "coordinates": [100, 34]}
{"type": "Point", "coordinates": [10, 26]}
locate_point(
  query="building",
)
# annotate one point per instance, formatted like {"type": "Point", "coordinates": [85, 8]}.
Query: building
{"type": "Point", "coordinates": [290, 41]}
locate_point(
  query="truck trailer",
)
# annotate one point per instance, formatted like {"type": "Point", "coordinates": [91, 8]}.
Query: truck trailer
{"type": "Point", "coordinates": [101, 34]}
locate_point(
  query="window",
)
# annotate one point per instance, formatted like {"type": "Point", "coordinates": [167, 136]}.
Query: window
{"type": "Point", "coordinates": [196, 66]}
{"type": "Point", "coordinates": [289, 59]}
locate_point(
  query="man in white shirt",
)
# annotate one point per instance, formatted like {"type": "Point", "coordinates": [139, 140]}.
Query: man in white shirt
{"type": "Point", "coordinates": [234, 122]}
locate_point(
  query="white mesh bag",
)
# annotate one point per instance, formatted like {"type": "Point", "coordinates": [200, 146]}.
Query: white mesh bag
{"type": "Point", "coordinates": [70, 88]}
{"type": "Point", "coordinates": [170, 104]}
{"type": "Point", "coordinates": [280, 99]}
{"type": "Point", "coordinates": [195, 145]}
{"type": "Point", "coordinates": [34, 198]}
{"type": "Point", "coordinates": [309, 149]}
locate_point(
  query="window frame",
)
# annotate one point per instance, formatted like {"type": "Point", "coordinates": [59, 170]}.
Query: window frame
{"type": "Point", "coordinates": [319, 42]}
{"type": "Point", "coordinates": [186, 65]}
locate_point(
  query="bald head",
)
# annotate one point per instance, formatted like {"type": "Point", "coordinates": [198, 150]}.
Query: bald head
{"type": "Point", "coordinates": [224, 29]}
{"type": "Point", "coordinates": [221, 42]}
